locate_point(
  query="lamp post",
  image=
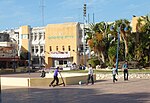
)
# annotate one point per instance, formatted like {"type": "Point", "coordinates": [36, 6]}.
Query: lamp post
{"type": "Point", "coordinates": [118, 42]}
{"type": "Point", "coordinates": [117, 49]}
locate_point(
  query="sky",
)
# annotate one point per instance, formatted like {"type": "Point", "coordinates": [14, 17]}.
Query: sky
{"type": "Point", "coordinates": [15, 13]}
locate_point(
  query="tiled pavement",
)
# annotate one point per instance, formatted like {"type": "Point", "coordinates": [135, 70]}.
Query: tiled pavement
{"type": "Point", "coordinates": [104, 91]}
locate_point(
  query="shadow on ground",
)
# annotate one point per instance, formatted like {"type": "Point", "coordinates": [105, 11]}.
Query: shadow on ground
{"type": "Point", "coordinates": [69, 95]}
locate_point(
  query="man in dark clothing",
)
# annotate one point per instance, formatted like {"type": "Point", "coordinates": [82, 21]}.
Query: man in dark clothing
{"type": "Point", "coordinates": [43, 73]}
{"type": "Point", "coordinates": [125, 70]}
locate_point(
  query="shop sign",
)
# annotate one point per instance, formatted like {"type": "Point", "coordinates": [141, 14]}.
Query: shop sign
{"type": "Point", "coordinates": [61, 37]}
{"type": "Point", "coordinates": [59, 54]}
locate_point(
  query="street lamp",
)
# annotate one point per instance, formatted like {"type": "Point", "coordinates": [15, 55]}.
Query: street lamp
{"type": "Point", "coordinates": [118, 42]}
{"type": "Point", "coordinates": [118, 34]}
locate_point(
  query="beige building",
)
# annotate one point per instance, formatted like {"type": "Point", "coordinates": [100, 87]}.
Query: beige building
{"type": "Point", "coordinates": [59, 44]}
{"type": "Point", "coordinates": [62, 42]}
{"type": "Point", "coordinates": [134, 23]}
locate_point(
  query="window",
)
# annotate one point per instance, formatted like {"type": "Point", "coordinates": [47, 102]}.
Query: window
{"type": "Point", "coordinates": [65, 62]}
{"type": "Point", "coordinates": [31, 37]}
{"type": "Point", "coordinates": [63, 48]}
{"type": "Point", "coordinates": [69, 49]}
{"type": "Point", "coordinates": [81, 48]}
{"type": "Point", "coordinates": [56, 48]}
{"type": "Point", "coordinates": [50, 48]}
{"type": "Point", "coordinates": [32, 49]}
{"type": "Point", "coordinates": [35, 60]}
{"type": "Point", "coordinates": [36, 49]}
{"type": "Point", "coordinates": [35, 37]}
{"type": "Point", "coordinates": [80, 33]}
{"type": "Point", "coordinates": [41, 49]}
{"type": "Point", "coordinates": [40, 36]}
{"type": "Point", "coordinates": [61, 62]}
{"type": "Point", "coordinates": [44, 36]}
{"type": "Point", "coordinates": [25, 36]}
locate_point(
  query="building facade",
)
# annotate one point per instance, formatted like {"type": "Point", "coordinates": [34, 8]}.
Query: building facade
{"type": "Point", "coordinates": [50, 46]}
{"type": "Point", "coordinates": [8, 52]}
{"type": "Point", "coordinates": [62, 44]}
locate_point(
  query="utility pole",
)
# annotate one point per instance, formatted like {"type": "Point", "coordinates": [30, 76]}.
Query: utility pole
{"type": "Point", "coordinates": [84, 20]}
{"type": "Point", "coordinates": [42, 12]}
{"type": "Point", "coordinates": [29, 53]}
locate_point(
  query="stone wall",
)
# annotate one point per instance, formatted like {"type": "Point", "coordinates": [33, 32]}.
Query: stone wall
{"type": "Point", "coordinates": [132, 75]}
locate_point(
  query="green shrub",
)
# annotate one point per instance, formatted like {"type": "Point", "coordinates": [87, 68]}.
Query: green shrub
{"type": "Point", "coordinates": [94, 62]}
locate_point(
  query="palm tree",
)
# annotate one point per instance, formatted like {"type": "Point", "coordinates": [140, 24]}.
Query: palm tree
{"type": "Point", "coordinates": [143, 39]}
{"type": "Point", "coordinates": [96, 39]}
{"type": "Point", "coordinates": [123, 27]}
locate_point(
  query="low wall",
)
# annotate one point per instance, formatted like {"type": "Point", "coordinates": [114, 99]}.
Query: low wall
{"type": "Point", "coordinates": [75, 79]}
{"type": "Point", "coordinates": [131, 75]}
{"type": "Point", "coordinates": [40, 81]}
{"type": "Point", "coordinates": [70, 79]}
{"type": "Point", "coordinates": [11, 81]}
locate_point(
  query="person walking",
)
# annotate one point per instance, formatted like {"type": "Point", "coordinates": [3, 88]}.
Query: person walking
{"type": "Point", "coordinates": [90, 74]}
{"type": "Point", "coordinates": [114, 72]}
{"type": "Point", "coordinates": [43, 73]}
{"type": "Point", "coordinates": [55, 77]}
{"type": "Point", "coordinates": [125, 70]}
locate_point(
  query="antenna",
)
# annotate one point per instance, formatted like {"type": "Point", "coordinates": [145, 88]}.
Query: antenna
{"type": "Point", "coordinates": [42, 7]}
{"type": "Point", "coordinates": [93, 18]}
{"type": "Point", "coordinates": [88, 18]}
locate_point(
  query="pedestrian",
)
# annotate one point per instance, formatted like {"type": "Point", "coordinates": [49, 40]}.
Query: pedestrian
{"type": "Point", "coordinates": [55, 77]}
{"type": "Point", "coordinates": [90, 74]}
{"type": "Point", "coordinates": [43, 73]}
{"type": "Point", "coordinates": [125, 70]}
{"type": "Point", "coordinates": [80, 67]}
{"type": "Point", "coordinates": [114, 72]}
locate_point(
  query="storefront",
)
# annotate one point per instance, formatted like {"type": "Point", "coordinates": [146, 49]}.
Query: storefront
{"type": "Point", "coordinates": [61, 59]}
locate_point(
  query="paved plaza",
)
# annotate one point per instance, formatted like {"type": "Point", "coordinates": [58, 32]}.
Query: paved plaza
{"type": "Point", "coordinates": [103, 91]}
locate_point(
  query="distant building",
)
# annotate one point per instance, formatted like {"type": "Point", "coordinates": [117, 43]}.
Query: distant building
{"type": "Point", "coordinates": [8, 52]}
{"type": "Point", "coordinates": [50, 46]}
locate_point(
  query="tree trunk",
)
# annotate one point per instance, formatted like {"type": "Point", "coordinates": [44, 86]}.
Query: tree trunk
{"type": "Point", "coordinates": [126, 48]}
{"type": "Point", "coordinates": [103, 57]}
{"type": "Point", "coordinates": [124, 37]}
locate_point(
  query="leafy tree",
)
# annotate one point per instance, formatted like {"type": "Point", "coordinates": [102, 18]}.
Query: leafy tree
{"type": "Point", "coordinates": [123, 27]}
{"type": "Point", "coordinates": [143, 40]}
{"type": "Point", "coordinates": [96, 39]}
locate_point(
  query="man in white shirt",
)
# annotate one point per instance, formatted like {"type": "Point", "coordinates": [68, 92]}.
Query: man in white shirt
{"type": "Point", "coordinates": [90, 74]}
